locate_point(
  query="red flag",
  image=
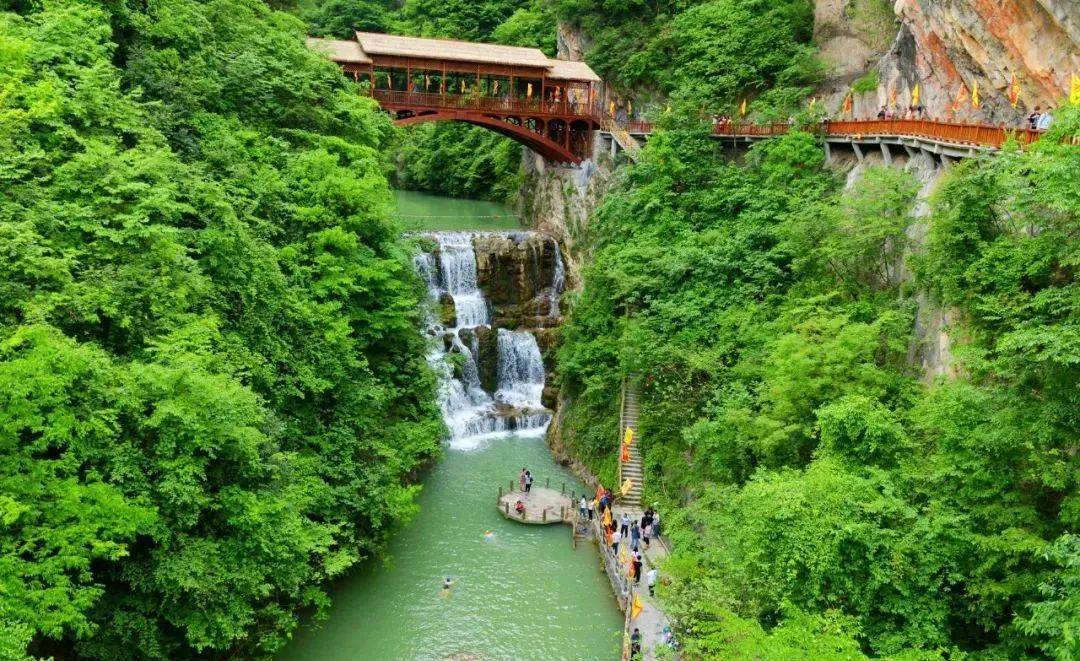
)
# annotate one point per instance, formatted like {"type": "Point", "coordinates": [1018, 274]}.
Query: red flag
{"type": "Point", "coordinates": [961, 98]}
{"type": "Point", "coordinates": [847, 104]}
{"type": "Point", "coordinates": [1014, 91]}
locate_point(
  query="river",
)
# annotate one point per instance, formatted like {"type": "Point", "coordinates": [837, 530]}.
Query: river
{"type": "Point", "coordinates": [519, 591]}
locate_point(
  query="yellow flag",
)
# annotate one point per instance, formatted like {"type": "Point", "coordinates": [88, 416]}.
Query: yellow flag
{"type": "Point", "coordinates": [628, 437]}
{"type": "Point", "coordinates": [1014, 92]}
{"type": "Point", "coordinates": [975, 102]}
{"type": "Point", "coordinates": [915, 95]}
{"type": "Point", "coordinates": [636, 607]}
{"type": "Point", "coordinates": [813, 102]}
{"type": "Point", "coordinates": [742, 108]}
{"type": "Point", "coordinates": [626, 486]}
{"type": "Point", "coordinates": [611, 108]}
{"type": "Point", "coordinates": [629, 109]}
{"type": "Point", "coordinates": [528, 90]}
{"type": "Point", "coordinates": [1074, 94]}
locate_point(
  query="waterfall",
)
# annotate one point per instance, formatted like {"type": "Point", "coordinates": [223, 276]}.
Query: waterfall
{"type": "Point", "coordinates": [471, 413]}
{"type": "Point", "coordinates": [558, 282]}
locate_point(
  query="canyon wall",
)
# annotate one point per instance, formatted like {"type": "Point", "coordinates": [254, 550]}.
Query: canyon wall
{"type": "Point", "coordinates": [944, 44]}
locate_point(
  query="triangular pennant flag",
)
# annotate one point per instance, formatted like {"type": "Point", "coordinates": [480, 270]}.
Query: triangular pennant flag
{"type": "Point", "coordinates": [975, 101]}
{"type": "Point", "coordinates": [813, 102]}
{"type": "Point", "coordinates": [1074, 94]}
{"type": "Point", "coordinates": [636, 607]}
{"type": "Point", "coordinates": [961, 98]}
{"type": "Point", "coordinates": [611, 108]}
{"type": "Point", "coordinates": [1014, 92]}
{"type": "Point", "coordinates": [742, 108]}
{"type": "Point", "coordinates": [628, 437]}
{"type": "Point", "coordinates": [463, 86]}
{"type": "Point", "coordinates": [528, 90]}
{"type": "Point", "coordinates": [847, 104]}
{"type": "Point", "coordinates": [916, 94]}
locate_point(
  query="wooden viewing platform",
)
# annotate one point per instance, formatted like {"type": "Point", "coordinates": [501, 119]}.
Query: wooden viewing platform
{"type": "Point", "coordinates": [543, 505]}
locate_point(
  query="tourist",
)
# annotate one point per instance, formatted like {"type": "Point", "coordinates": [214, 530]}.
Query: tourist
{"type": "Point", "coordinates": [1033, 118]}
{"type": "Point", "coordinates": [635, 536]}
{"type": "Point", "coordinates": [521, 479]}
{"type": "Point", "coordinates": [615, 539]}
{"type": "Point", "coordinates": [528, 482]}
{"type": "Point", "coordinates": [592, 509]}
{"type": "Point", "coordinates": [646, 524]}
{"type": "Point", "coordinates": [920, 111]}
{"type": "Point", "coordinates": [636, 564]}
{"type": "Point", "coordinates": [882, 113]}
{"type": "Point", "coordinates": [519, 507]}
{"type": "Point", "coordinates": [635, 643]}
{"type": "Point", "coordinates": [650, 580]}
{"type": "Point", "coordinates": [1045, 120]}
{"type": "Point", "coordinates": [583, 508]}
{"type": "Point", "coordinates": [625, 527]}
{"type": "Point", "coordinates": [656, 525]}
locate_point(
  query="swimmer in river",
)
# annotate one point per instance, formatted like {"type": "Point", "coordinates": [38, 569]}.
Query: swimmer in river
{"type": "Point", "coordinates": [446, 584]}
{"type": "Point", "coordinates": [489, 535]}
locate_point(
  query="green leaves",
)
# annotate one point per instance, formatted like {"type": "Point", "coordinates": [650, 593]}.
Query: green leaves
{"type": "Point", "coordinates": [212, 383]}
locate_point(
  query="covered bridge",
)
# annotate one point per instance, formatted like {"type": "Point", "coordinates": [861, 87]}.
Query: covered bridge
{"type": "Point", "coordinates": [544, 103]}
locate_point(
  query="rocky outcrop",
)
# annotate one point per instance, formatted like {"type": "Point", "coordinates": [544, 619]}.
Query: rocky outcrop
{"type": "Point", "coordinates": [945, 44]}
{"type": "Point", "coordinates": [522, 276]}
{"type": "Point", "coordinates": [560, 201]}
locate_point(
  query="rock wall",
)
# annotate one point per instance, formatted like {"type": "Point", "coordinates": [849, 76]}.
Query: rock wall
{"type": "Point", "coordinates": [943, 44]}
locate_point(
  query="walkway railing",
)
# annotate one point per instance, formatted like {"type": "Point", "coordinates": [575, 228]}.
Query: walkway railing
{"type": "Point", "coordinates": [960, 133]}
{"type": "Point", "coordinates": [482, 103]}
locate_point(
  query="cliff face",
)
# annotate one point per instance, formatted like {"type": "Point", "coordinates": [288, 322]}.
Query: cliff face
{"type": "Point", "coordinates": [943, 44]}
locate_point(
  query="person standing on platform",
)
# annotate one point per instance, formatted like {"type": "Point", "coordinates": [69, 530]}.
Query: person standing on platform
{"type": "Point", "coordinates": [521, 479]}
{"type": "Point", "coordinates": [592, 509]}
{"type": "Point", "coordinates": [625, 527]}
{"type": "Point", "coordinates": [615, 539]}
{"type": "Point", "coordinates": [635, 536]}
{"type": "Point", "coordinates": [528, 482]}
{"type": "Point", "coordinates": [583, 508]}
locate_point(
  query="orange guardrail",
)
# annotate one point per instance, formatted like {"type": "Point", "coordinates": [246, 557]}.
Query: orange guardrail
{"type": "Point", "coordinates": [982, 135]}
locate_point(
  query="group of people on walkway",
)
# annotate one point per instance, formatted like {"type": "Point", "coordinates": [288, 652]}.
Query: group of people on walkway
{"type": "Point", "coordinates": [525, 481]}
{"type": "Point", "coordinates": [1039, 120]}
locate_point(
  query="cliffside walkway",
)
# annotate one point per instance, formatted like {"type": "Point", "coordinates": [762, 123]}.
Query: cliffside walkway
{"type": "Point", "coordinates": [557, 107]}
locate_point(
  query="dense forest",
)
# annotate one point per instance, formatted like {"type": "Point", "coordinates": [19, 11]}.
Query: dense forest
{"type": "Point", "coordinates": [213, 392]}
{"type": "Point", "coordinates": [212, 385]}
{"type": "Point", "coordinates": [827, 498]}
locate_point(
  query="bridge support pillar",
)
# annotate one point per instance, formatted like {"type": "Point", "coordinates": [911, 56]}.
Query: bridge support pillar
{"type": "Point", "coordinates": [858, 151]}
{"type": "Point", "coordinates": [828, 152]}
{"type": "Point", "coordinates": [886, 153]}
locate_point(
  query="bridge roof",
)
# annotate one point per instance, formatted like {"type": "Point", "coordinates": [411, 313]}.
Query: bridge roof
{"type": "Point", "coordinates": [570, 70]}
{"type": "Point", "coordinates": [340, 51]}
{"type": "Point", "coordinates": [374, 43]}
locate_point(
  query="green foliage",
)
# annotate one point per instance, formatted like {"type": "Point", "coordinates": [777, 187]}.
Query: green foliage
{"type": "Point", "coordinates": [456, 160]}
{"type": "Point", "coordinates": [707, 54]}
{"type": "Point", "coordinates": [866, 83]}
{"type": "Point", "coordinates": [813, 484]}
{"type": "Point", "coordinates": [211, 377]}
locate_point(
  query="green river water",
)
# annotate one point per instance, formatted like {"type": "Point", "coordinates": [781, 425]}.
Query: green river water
{"type": "Point", "coordinates": [521, 592]}
{"type": "Point", "coordinates": [421, 211]}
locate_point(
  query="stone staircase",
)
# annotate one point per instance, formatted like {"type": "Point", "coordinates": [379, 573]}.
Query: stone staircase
{"type": "Point", "coordinates": [631, 469]}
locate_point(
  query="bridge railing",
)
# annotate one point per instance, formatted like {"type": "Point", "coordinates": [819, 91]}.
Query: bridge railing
{"type": "Point", "coordinates": [482, 103]}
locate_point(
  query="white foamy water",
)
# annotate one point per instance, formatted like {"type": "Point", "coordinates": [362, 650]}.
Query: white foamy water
{"type": "Point", "coordinates": [472, 414]}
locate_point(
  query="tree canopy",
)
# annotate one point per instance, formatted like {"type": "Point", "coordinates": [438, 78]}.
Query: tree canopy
{"type": "Point", "coordinates": [212, 384]}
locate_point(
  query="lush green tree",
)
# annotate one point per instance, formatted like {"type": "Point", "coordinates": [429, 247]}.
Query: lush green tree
{"type": "Point", "coordinates": [212, 381]}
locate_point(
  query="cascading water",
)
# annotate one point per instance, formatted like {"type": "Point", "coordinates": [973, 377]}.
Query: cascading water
{"type": "Point", "coordinates": [471, 413]}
